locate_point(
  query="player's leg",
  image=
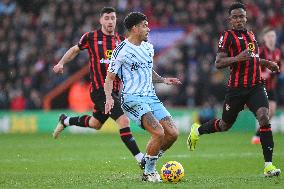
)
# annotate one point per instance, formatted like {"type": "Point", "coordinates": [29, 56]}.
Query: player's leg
{"type": "Point", "coordinates": [171, 133]}
{"type": "Point", "coordinates": [258, 104]}
{"type": "Point", "coordinates": [96, 121]}
{"type": "Point", "coordinates": [152, 125]}
{"type": "Point", "coordinates": [123, 123]}
{"type": "Point", "coordinates": [138, 110]}
{"type": "Point", "coordinates": [232, 106]}
{"type": "Point", "coordinates": [165, 119]}
{"type": "Point", "coordinates": [272, 108]}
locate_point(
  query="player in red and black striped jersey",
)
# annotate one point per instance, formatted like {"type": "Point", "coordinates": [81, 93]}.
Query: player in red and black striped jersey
{"type": "Point", "coordinates": [269, 51]}
{"type": "Point", "coordinates": [238, 50]}
{"type": "Point", "coordinates": [99, 44]}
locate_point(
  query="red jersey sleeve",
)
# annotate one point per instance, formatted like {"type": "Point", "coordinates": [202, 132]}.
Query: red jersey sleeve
{"type": "Point", "coordinates": [224, 42]}
{"type": "Point", "coordinates": [83, 43]}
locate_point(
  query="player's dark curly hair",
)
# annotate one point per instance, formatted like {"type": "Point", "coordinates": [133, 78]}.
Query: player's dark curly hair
{"type": "Point", "coordinates": [133, 19]}
{"type": "Point", "coordinates": [107, 10]}
{"type": "Point", "coordinates": [236, 5]}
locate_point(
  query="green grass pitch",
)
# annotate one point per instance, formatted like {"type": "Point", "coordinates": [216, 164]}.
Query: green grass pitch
{"type": "Point", "coordinates": [223, 160]}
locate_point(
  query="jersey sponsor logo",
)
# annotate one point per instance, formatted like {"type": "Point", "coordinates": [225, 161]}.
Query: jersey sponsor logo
{"type": "Point", "coordinates": [100, 42]}
{"type": "Point", "coordinates": [136, 65]}
{"type": "Point", "coordinates": [104, 61]}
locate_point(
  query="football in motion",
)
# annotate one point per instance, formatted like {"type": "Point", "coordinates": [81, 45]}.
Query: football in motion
{"type": "Point", "coordinates": [172, 171]}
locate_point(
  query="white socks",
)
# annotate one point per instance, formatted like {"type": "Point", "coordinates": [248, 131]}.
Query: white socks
{"type": "Point", "coordinates": [66, 121]}
{"type": "Point", "coordinates": [139, 157]}
{"type": "Point", "coordinates": [267, 163]}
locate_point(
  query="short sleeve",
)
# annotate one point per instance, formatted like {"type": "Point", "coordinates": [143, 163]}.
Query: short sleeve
{"type": "Point", "coordinates": [224, 42]}
{"type": "Point", "coordinates": [116, 60]}
{"type": "Point", "coordinates": [83, 43]}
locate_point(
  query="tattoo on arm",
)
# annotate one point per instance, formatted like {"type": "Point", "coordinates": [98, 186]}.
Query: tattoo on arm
{"type": "Point", "coordinates": [156, 78]}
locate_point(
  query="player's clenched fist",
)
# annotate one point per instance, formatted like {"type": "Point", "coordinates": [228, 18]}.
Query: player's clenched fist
{"type": "Point", "coordinates": [58, 68]}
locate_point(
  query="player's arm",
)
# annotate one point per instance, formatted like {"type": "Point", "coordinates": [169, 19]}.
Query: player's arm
{"type": "Point", "coordinates": [68, 56]}
{"type": "Point", "coordinates": [223, 61]}
{"type": "Point", "coordinates": [108, 90]}
{"type": "Point", "coordinates": [159, 79]}
{"type": "Point", "coordinates": [114, 65]}
{"type": "Point", "coordinates": [273, 66]}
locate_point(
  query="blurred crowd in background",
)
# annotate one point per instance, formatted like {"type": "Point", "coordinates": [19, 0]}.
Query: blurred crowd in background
{"type": "Point", "coordinates": [35, 34]}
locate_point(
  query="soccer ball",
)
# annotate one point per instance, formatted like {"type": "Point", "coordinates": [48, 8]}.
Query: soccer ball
{"type": "Point", "coordinates": [172, 171]}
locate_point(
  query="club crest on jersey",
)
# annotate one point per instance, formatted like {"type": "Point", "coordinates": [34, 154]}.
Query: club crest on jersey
{"type": "Point", "coordinates": [251, 47]}
{"type": "Point", "coordinates": [108, 53]}
{"type": "Point", "coordinates": [100, 42]}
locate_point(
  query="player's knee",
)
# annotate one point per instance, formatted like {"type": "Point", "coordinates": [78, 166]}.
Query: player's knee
{"type": "Point", "coordinates": [159, 133]}
{"type": "Point", "coordinates": [123, 122]}
{"type": "Point", "coordinates": [263, 119]}
{"type": "Point", "coordinates": [95, 124]}
{"type": "Point", "coordinates": [225, 127]}
{"type": "Point", "coordinates": [262, 116]}
{"type": "Point", "coordinates": [173, 135]}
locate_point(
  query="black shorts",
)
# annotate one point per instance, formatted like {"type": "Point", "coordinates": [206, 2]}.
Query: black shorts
{"type": "Point", "coordinates": [98, 97]}
{"type": "Point", "coordinates": [236, 99]}
{"type": "Point", "coordinates": [271, 94]}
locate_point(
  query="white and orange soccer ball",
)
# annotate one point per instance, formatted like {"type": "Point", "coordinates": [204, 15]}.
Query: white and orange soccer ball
{"type": "Point", "coordinates": [172, 171]}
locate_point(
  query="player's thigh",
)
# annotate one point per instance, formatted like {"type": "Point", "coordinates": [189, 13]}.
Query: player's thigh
{"type": "Point", "coordinates": [257, 99]}
{"type": "Point", "coordinates": [134, 109]}
{"type": "Point", "coordinates": [98, 99]}
{"type": "Point", "coordinates": [158, 109]}
{"type": "Point", "coordinates": [116, 112]}
{"type": "Point", "coordinates": [233, 104]}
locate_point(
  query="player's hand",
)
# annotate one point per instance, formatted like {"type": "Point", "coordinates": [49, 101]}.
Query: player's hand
{"type": "Point", "coordinates": [109, 104]}
{"type": "Point", "coordinates": [58, 68]}
{"type": "Point", "coordinates": [172, 81]}
{"type": "Point", "coordinates": [243, 56]}
{"type": "Point", "coordinates": [273, 66]}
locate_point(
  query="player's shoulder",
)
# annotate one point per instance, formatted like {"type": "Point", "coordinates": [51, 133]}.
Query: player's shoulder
{"type": "Point", "coordinates": [120, 49]}
{"type": "Point", "coordinates": [147, 45]}
{"type": "Point", "coordinates": [226, 34]}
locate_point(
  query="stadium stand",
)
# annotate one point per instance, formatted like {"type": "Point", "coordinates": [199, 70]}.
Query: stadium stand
{"type": "Point", "coordinates": [34, 36]}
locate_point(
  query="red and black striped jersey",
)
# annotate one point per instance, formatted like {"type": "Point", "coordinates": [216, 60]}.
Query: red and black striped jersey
{"type": "Point", "coordinates": [100, 47]}
{"type": "Point", "coordinates": [243, 73]}
{"type": "Point", "coordinates": [269, 77]}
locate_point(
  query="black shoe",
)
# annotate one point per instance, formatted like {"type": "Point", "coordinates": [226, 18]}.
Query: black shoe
{"type": "Point", "coordinates": [142, 163]}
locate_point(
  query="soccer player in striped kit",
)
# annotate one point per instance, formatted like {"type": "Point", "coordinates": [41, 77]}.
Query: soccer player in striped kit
{"type": "Point", "coordinates": [99, 44]}
{"type": "Point", "coordinates": [132, 61]}
{"type": "Point", "coordinates": [269, 51]}
{"type": "Point", "coordinates": [238, 50]}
